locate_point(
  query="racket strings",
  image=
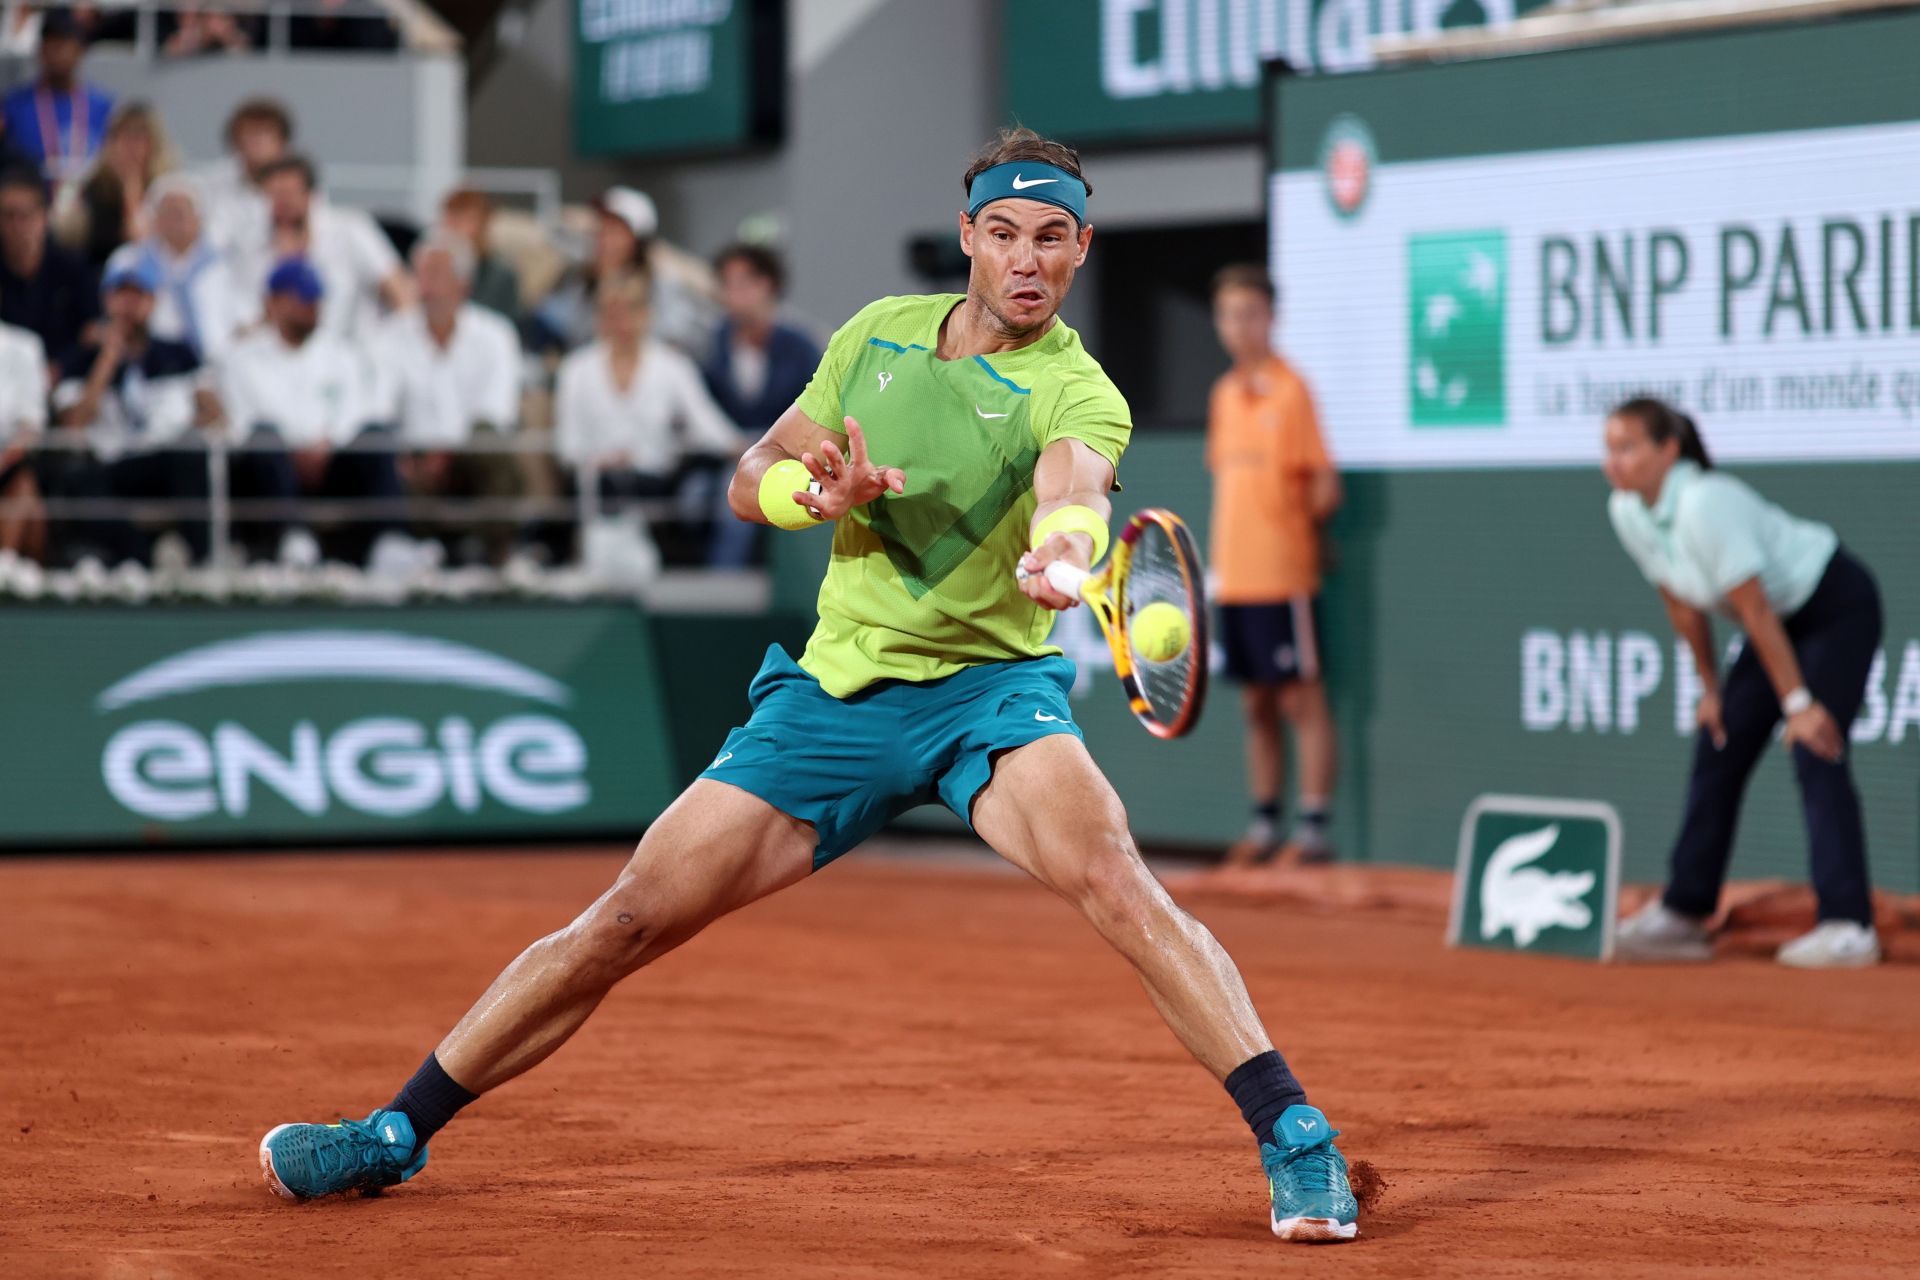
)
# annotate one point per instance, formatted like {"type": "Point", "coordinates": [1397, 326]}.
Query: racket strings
{"type": "Point", "coordinates": [1155, 576]}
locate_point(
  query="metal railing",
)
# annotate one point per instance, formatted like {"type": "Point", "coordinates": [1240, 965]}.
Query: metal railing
{"type": "Point", "coordinates": [222, 511]}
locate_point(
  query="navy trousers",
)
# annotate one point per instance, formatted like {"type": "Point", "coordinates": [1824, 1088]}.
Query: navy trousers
{"type": "Point", "coordinates": [1834, 635]}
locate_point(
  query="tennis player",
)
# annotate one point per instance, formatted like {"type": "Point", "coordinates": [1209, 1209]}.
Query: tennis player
{"type": "Point", "coordinates": [951, 439]}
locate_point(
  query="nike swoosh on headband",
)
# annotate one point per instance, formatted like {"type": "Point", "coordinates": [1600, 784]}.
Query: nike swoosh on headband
{"type": "Point", "coordinates": [1020, 184]}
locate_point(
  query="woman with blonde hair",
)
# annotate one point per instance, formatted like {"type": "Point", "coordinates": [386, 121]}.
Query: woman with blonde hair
{"type": "Point", "coordinates": [109, 208]}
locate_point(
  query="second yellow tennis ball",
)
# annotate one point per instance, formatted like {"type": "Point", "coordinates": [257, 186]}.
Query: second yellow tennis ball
{"type": "Point", "coordinates": [1160, 632]}
{"type": "Point", "coordinates": [778, 485]}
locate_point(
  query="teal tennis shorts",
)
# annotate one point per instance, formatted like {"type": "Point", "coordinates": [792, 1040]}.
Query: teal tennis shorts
{"type": "Point", "coordinates": [849, 765]}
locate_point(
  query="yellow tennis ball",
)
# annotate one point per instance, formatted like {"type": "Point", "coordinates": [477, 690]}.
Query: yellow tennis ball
{"type": "Point", "coordinates": [1160, 632]}
{"type": "Point", "coordinates": [778, 485]}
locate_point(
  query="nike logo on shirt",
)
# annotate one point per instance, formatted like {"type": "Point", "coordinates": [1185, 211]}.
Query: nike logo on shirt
{"type": "Point", "coordinates": [1020, 184]}
{"type": "Point", "coordinates": [1044, 718]}
{"type": "Point", "coordinates": [983, 413]}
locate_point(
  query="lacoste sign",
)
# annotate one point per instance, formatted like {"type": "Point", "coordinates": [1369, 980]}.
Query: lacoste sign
{"type": "Point", "coordinates": [1537, 875]}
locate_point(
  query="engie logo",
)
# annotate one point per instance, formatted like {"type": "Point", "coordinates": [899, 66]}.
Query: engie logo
{"type": "Point", "coordinates": [1457, 359]}
{"type": "Point", "coordinates": [385, 765]}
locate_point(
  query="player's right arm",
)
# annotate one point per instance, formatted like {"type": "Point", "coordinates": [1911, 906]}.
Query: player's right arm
{"type": "Point", "coordinates": [837, 460]}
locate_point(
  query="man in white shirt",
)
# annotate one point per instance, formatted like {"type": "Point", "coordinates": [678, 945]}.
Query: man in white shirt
{"type": "Point", "coordinates": [450, 369]}
{"type": "Point", "coordinates": [23, 415]}
{"type": "Point", "coordinates": [259, 132]}
{"type": "Point", "coordinates": [298, 396]}
{"type": "Point", "coordinates": [346, 247]}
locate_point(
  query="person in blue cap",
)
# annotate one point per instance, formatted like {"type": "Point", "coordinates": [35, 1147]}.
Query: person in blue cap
{"type": "Point", "coordinates": [141, 398]}
{"type": "Point", "coordinates": [298, 396]}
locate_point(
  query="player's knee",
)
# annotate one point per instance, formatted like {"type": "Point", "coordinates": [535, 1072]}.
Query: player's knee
{"type": "Point", "coordinates": [1297, 701]}
{"type": "Point", "coordinates": [1114, 888]}
{"type": "Point", "coordinates": [620, 932]}
{"type": "Point", "coordinates": [1258, 703]}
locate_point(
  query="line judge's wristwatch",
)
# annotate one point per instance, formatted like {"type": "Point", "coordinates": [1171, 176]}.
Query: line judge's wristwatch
{"type": "Point", "coordinates": [1797, 701]}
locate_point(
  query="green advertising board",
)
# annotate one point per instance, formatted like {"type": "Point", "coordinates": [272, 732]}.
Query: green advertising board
{"type": "Point", "coordinates": [1538, 875]}
{"type": "Point", "coordinates": [1091, 71]}
{"type": "Point", "coordinates": [660, 77]}
{"type": "Point", "coordinates": [195, 725]}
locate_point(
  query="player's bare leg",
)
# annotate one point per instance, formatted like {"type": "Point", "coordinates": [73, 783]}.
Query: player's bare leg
{"type": "Point", "coordinates": [1266, 755]}
{"type": "Point", "coordinates": [1050, 811]}
{"type": "Point", "coordinates": [714, 850]}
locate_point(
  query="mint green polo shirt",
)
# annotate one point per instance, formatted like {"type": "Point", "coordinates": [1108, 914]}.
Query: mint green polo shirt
{"type": "Point", "coordinates": [1709, 532]}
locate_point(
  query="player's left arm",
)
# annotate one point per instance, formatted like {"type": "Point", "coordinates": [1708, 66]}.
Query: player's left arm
{"type": "Point", "coordinates": [1069, 474]}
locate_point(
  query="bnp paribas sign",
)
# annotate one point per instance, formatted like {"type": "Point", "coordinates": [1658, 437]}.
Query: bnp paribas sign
{"type": "Point", "coordinates": [1481, 259]}
{"type": "Point", "coordinates": [257, 724]}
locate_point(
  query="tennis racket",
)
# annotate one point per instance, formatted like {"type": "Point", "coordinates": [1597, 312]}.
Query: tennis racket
{"type": "Point", "coordinates": [1153, 561]}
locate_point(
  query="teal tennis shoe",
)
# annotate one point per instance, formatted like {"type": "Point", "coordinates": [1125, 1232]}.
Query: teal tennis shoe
{"type": "Point", "coordinates": [1312, 1201]}
{"type": "Point", "coordinates": [307, 1161]}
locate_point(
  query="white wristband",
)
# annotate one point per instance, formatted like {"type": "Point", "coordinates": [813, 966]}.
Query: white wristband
{"type": "Point", "coordinates": [1797, 701]}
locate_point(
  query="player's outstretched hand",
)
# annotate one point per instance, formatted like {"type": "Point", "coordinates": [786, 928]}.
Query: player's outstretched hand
{"type": "Point", "coordinates": [1032, 573]}
{"type": "Point", "coordinates": [847, 480]}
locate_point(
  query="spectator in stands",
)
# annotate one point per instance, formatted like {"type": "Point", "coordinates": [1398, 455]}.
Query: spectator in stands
{"type": "Point", "coordinates": [195, 29]}
{"type": "Point", "coordinates": [23, 415]}
{"type": "Point", "coordinates": [43, 287]}
{"type": "Point", "coordinates": [1274, 486]}
{"type": "Point", "coordinates": [58, 119]}
{"type": "Point", "coordinates": [19, 29]}
{"type": "Point", "coordinates": [299, 393]}
{"type": "Point", "coordinates": [756, 367]}
{"type": "Point", "coordinates": [142, 397]}
{"type": "Point", "coordinates": [450, 370]}
{"type": "Point", "coordinates": [345, 245]}
{"type": "Point", "coordinates": [259, 133]}
{"type": "Point", "coordinates": [332, 29]}
{"type": "Point", "coordinates": [626, 238]}
{"type": "Point", "coordinates": [635, 408]}
{"type": "Point", "coordinates": [195, 304]}
{"type": "Point", "coordinates": [108, 208]}
{"type": "Point", "coordinates": [469, 215]}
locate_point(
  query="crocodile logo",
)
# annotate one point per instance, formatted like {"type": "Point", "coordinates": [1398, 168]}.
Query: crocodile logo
{"type": "Point", "coordinates": [1516, 895]}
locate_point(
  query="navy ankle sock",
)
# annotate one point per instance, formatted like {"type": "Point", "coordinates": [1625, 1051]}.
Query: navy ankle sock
{"type": "Point", "coordinates": [432, 1098]}
{"type": "Point", "coordinates": [1263, 1087]}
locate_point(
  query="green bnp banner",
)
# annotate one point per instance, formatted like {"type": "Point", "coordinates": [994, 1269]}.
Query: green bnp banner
{"type": "Point", "coordinates": [227, 725]}
{"type": "Point", "coordinates": [660, 77]}
{"type": "Point", "coordinates": [1154, 70]}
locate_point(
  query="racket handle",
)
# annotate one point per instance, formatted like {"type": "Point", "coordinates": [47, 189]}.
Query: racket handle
{"type": "Point", "coordinates": [1066, 578]}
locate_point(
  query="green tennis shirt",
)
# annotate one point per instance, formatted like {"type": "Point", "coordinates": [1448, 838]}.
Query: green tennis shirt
{"type": "Point", "coordinates": [922, 583]}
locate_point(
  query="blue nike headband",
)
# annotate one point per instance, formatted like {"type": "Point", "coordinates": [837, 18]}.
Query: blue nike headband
{"type": "Point", "coordinates": [1027, 180]}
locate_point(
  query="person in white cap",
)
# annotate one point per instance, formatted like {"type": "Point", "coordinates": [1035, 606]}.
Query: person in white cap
{"type": "Point", "coordinates": [626, 238]}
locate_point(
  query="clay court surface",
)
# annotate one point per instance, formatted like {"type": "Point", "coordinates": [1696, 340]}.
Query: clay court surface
{"type": "Point", "coordinates": [912, 1065]}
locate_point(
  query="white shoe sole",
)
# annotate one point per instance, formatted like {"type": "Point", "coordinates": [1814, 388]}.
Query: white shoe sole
{"type": "Point", "coordinates": [1866, 961]}
{"type": "Point", "coordinates": [267, 1172]}
{"type": "Point", "coordinates": [1314, 1230]}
